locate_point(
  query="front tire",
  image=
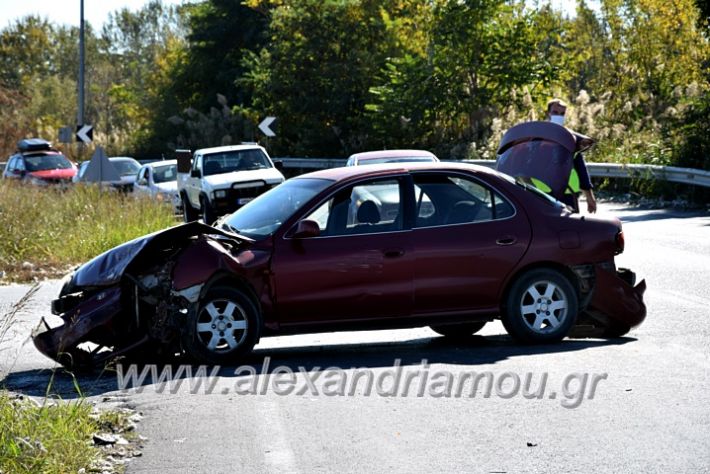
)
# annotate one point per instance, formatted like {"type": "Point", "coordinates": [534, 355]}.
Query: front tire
{"type": "Point", "coordinates": [208, 215]}
{"type": "Point", "coordinates": [225, 327]}
{"type": "Point", "coordinates": [541, 307]}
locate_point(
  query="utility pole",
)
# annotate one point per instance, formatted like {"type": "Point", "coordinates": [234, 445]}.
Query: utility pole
{"type": "Point", "coordinates": [80, 114]}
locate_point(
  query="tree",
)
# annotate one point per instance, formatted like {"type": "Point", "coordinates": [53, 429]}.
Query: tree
{"type": "Point", "coordinates": [26, 50]}
{"type": "Point", "coordinates": [191, 75]}
{"type": "Point", "coordinates": [316, 72]}
{"type": "Point", "coordinates": [478, 53]}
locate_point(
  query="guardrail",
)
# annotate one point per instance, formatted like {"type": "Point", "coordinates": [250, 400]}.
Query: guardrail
{"type": "Point", "coordinates": [596, 170]}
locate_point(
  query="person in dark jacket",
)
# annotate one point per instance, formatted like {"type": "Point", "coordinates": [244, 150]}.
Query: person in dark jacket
{"type": "Point", "coordinates": [579, 181]}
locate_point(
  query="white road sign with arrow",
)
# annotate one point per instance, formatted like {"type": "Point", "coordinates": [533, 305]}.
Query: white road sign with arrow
{"type": "Point", "coordinates": [264, 126]}
{"type": "Point", "coordinates": [85, 133]}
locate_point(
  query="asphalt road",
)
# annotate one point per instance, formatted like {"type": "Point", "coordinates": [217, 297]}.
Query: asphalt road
{"type": "Point", "coordinates": [650, 410]}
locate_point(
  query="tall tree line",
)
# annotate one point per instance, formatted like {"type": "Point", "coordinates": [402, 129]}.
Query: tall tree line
{"type": "Point", "coordinates": [349, 75]}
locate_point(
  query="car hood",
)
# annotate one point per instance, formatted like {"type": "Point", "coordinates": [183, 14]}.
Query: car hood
{"type": "Point", "coordinates": [270, 175]}
{"type": "Point", "coordinates": [108, 268]}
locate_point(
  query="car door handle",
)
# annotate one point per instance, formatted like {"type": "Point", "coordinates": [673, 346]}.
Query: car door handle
{"type": "Point", "coordinates": [506, 240]}
{"type": "Point", "coordinates": [393, 253]}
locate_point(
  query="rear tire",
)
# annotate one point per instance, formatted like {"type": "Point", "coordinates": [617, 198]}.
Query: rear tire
{"type": "Point", "coordinates": [461, 330]}
{"type": "Point", "coordinates": [225, 327]}
{"type": "Point", "coordinates": [541, 307]}
{"type": "Point", "coordinates": [188, 212]}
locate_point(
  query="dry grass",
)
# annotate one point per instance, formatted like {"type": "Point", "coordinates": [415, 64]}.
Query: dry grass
{"type": "Point", "coordinates": [43, 231]}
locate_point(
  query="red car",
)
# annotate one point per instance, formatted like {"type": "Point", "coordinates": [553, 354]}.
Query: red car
{"type": "Point", "coordinates": [36, 162]}
{"type": "Point", "coordinates": [451, 246]}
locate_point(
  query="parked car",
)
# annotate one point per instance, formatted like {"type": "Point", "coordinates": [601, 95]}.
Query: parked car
{"type": "Point", "coordinates": [38, 163]}
{"type": "Point", "coordinates": [217, 181]}
{"type": "Point", "coordinates": [157, 180]}
{"type": "Point", "coordinates": [126, 167]}
{"type": "Point", "coordinates": [391, 156]}
{"type": "Point", "coordinates": [294, 261]}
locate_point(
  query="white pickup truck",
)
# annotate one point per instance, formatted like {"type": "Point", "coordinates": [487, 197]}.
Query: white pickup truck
{"type": "Point", "coordinates": [216, 181]}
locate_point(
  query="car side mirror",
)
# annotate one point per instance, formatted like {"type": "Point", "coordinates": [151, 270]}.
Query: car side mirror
{"type": "Point", "coordinates": [279, 165]}
{"type": "Point", "coordinates": [305, 229]}
{"type": "Point", "coordinates": [195, 174]}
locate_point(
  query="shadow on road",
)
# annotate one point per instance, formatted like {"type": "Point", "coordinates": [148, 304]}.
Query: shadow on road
{"type": "Point", "coordinates": [470, 351]}
{"type": "Point", "coordinates": [657, 214]}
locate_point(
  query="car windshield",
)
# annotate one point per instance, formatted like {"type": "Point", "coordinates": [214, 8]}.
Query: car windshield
{"type": "Point", "coordinates": [398, 159]}
{"type": "Point", "coordinates": [47, 162]}
{"type": "Point", "coordinates": [126, 167]}
{"type": "Point", "coordinates": [235, 160]}
{"type": "Point", "coordinates": [265, 214]}
{"type": "Point", "coordinates": [163, 174]}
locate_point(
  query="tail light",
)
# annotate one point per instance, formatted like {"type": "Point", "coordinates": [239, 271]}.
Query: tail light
{"type": "Point", "coordinates": [619, 242]}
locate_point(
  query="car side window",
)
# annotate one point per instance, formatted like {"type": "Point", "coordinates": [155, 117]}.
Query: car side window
{"type": "Point", "coordinates": [20, 164]}
{"type": "Point", "coordinates": [197, 163]}
{"type": "Point", "coordinates": [448, 199]}
{"type": "Point", "coordinates": [364, 208]}
{"type": "Point", "coordinates": [11, 164]}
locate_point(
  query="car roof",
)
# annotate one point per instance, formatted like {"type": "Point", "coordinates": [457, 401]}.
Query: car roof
{"type": "Point", "coordinates": [368, 155]}
{"type": "Point", "coordinates": [220, 149]}
{"type": "Point", "coordinates": [157, 164]}
{"type": "Point", "coordinates": [351, 172]}
{"type": "Point", "coordinates": [33, 144]}
{"type": "Point", "coordinates": [122, 158]}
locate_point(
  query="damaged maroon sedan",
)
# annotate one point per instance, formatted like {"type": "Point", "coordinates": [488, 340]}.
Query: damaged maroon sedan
{"type": "Point", "coordinates": [451, 246]}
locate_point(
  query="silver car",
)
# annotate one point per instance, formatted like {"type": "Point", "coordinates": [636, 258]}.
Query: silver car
{"type": "Point", "coordinates": [158, 180]}
{"type": "Point", "coordinates": [126, 167]}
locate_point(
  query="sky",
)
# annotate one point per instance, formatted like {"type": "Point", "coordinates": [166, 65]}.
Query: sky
{"type": "Point", "coordinates": [96, 11]}
{"type": "Point", "coordinates": [67, 11]}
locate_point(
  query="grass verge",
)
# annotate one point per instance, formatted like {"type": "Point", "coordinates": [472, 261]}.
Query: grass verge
{"type": "Point", "coordinates": [59, 437]}
{"type": "Point", "coordinates": [54, 436]}
{"type": "Point", "coordinates": [45, 230]}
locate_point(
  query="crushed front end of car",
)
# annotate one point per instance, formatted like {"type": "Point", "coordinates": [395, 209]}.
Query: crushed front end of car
{"type": "Point", "coordinates": [125, 301]}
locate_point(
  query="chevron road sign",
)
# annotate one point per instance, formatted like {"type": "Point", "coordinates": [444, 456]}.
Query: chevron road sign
{"type": "Point", "coordinates": [84, 133]}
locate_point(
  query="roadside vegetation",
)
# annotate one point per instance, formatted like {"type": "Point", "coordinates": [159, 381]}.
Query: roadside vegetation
{"type": "Point", "coordinates": [44, 231]}
{"type": "Point", "coordinates": [46, 435]}
{"type": "Point", "coordinates": [347, 76]}
{"type": "Point", "coordinates": [49, 437]}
